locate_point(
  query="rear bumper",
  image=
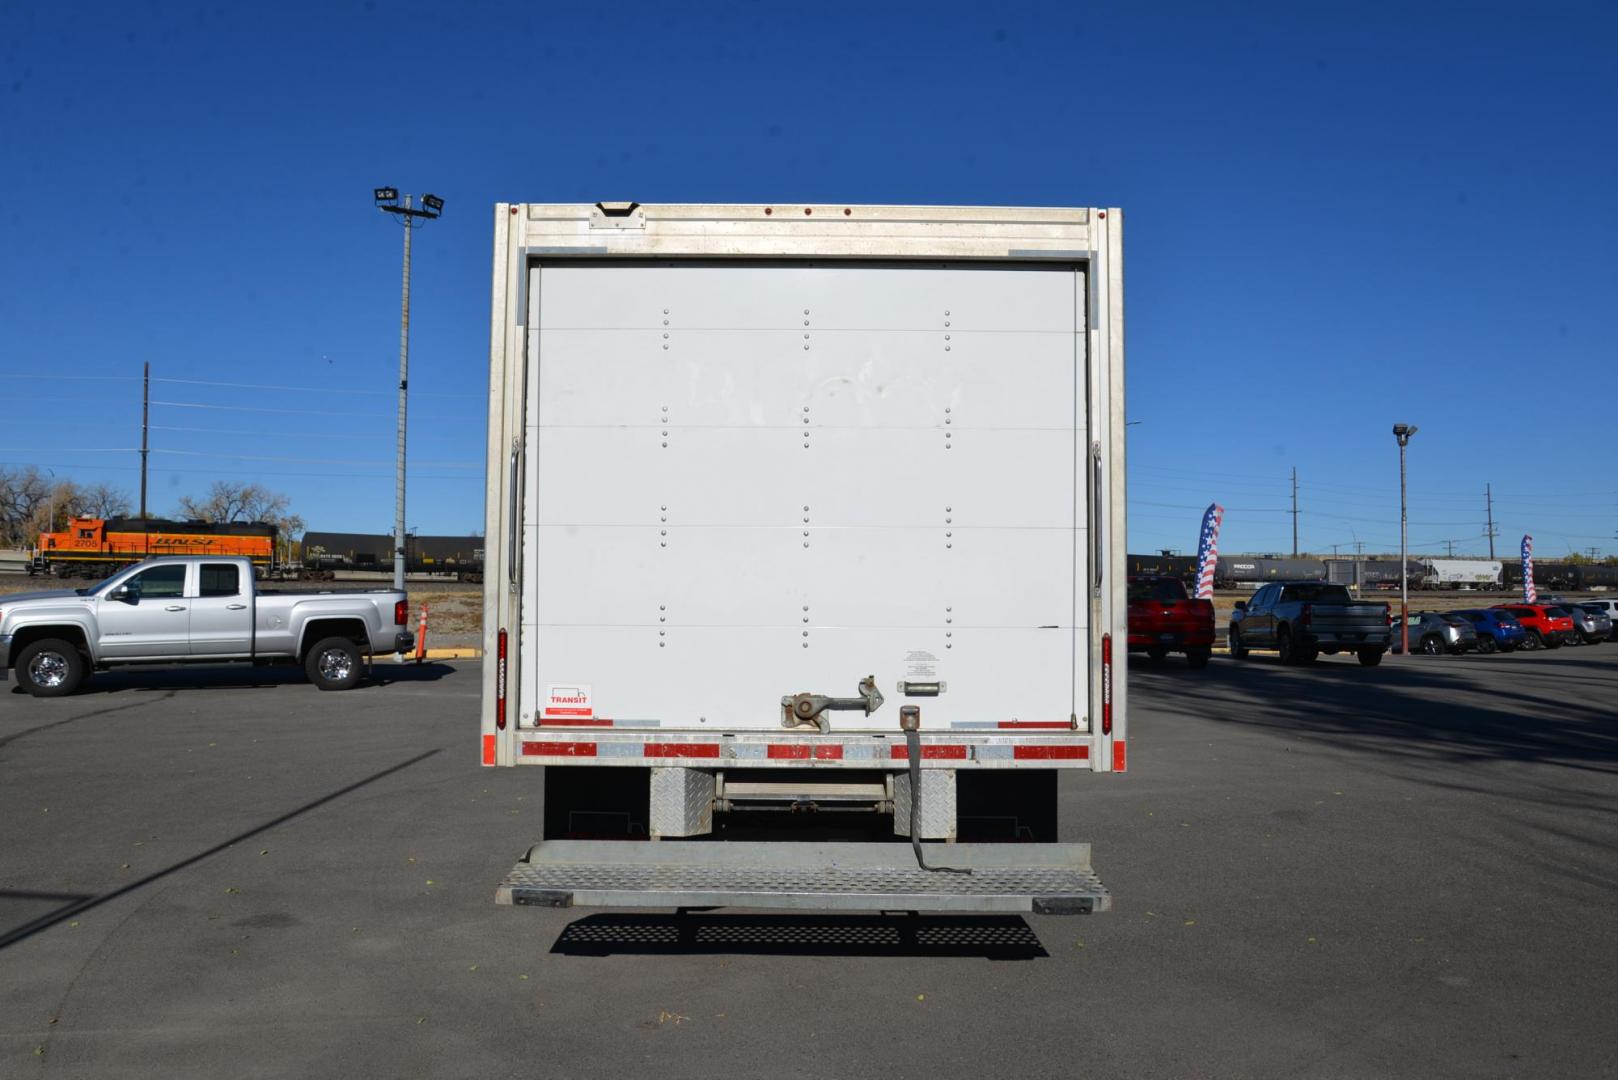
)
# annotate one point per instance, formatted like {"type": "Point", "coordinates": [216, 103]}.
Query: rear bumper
{"type": "Point", "coordinates": [404, 641]}
{"type": "Point", "coordinates": [1334, 639]}
{"type": "Point", "coordinates": [1172, 639]}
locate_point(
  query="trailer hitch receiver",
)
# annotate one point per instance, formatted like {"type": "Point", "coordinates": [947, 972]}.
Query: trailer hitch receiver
{"type": "Point", "coordinates": [809, 710]}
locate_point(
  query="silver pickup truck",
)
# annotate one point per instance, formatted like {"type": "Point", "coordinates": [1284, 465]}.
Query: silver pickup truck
{"type": "Point", "coordinates": [195, 609]}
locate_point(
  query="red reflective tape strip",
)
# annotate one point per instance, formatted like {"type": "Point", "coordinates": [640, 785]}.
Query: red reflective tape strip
{"type": "Point", "coordinates": [792, 753]}
{"type": "Point", "coordinates": [550, 711]}
{"type": "Point", "coordinates": [583, 722]}
{"type": "Point", "coordinates": [558, 749]}
{"type": "Point", "coordinates": [488, 749]}
{"type": "Point", "coordinates": [1118, 758]}
{"type": "Point", "coordinates": [1051, 753]}
{"type": "Point", "coordinates": [930, 753]}
{"type": "Point", "coordinates": [681, 750]}
{"type": "Point", "coordinates": [829, 753]}
{"type": "Point", "coordinates": [1053, 724]}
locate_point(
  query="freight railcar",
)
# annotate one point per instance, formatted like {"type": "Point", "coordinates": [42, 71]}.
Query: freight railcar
{"type": "Point", "coordinates": [92, 547]}
{"type": "Point", "coordinates": [1548, 576]}
{"type": "Point", "coordinates": [1183, 567]}
{"type": "Point", "coordinates": [1243, 570]}
{"type": "Point", "coordinates": [326, 553]}
{"type": "Point", "coordinates": [1367, 573]}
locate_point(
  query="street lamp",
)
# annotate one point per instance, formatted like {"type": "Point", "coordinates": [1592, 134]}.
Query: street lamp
{"type": "Point", "coordinates": [410, 216]}
{"type": "Point", "coordinates": [1402, 432]}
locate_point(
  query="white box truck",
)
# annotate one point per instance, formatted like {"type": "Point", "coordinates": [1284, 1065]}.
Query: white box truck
{"type": "Point", "coordinates": [805, 508]}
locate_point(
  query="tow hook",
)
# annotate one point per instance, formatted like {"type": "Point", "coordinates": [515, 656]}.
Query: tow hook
{"type": "Point", "coordinates": [808, 710]}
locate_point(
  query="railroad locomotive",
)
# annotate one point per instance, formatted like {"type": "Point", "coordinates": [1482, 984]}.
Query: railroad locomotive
{"type": "Point", "coordinates": [91, 547]}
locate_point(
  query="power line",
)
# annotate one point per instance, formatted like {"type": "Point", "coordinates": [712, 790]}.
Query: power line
{"type": "Point", "coordinates": [306, 389]}
{"type": "Point", "coordinates": [315, 461]}
{"type": "Point", "coordinates": [252, 409]}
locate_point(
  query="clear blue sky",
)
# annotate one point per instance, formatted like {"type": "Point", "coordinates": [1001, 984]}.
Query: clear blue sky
{"type": "Point", "coordinates": [1339, 216]}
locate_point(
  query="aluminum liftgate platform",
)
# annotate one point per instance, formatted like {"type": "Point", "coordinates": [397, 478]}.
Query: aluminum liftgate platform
{"type": "Point", "coordinates": [1046, 879]}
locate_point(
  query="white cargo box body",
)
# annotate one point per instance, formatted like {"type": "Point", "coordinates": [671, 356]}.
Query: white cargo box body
{"type": "Point", "coordinates": [739, 453]}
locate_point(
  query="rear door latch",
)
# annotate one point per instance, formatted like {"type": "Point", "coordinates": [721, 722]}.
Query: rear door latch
{"type": "Point", "coordinates": [808, 710]}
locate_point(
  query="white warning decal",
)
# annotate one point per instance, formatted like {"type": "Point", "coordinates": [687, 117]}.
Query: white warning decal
{"type": "Point", "coordinates": [921, 666]}
{"type": "Point", "coordinates": [570, 702]}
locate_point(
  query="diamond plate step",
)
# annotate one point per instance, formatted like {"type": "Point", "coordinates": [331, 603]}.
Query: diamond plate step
{"type": "Point", "coordinates": [1053, 879]}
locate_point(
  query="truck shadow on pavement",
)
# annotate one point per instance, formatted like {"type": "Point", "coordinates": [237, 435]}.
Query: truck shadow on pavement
{"type": "Point", "coordinates": [906, 934]}
{"type": "Point", "coordinates": [1534, 707]}
{"type": "Point", "coordinates": [169, 679]}
{"type": "Point", "coordinates": [70, 904]}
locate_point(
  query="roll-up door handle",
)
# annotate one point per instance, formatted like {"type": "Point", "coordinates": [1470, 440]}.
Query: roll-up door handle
{"type": "Point", "coordinates": [513, 526]}
{"type": "Point", "coordinates": [1098, 548]}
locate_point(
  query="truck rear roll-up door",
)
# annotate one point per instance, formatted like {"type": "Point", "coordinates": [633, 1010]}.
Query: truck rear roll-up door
{"type": "Point", "coordinates": [749, 480]}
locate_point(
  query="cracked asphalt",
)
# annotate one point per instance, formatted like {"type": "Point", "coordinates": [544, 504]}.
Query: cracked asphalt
{"type": "Point", "coordinates": [1332, 872]}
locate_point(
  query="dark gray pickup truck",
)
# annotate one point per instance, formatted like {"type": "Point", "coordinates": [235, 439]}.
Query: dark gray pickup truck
{"type": "Point", "coordinates": [1302, 619]}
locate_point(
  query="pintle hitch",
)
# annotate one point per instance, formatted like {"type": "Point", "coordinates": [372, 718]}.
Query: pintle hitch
{"type": "Point", "coordinates": [808, 710]}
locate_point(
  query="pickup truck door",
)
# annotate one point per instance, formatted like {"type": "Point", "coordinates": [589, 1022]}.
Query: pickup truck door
{"type": "Point", "coordinates": [152, 620]}
{"type": "Point", "coordinates": [221, 611]}
{"type": "Point", "coordinates": [1258, 625]}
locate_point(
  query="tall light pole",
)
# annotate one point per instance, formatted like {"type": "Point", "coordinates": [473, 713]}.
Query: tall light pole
{"type": "Point", "coordinates": [387, 200]}
{"type": "Point", "coordinates": [1402, 432]}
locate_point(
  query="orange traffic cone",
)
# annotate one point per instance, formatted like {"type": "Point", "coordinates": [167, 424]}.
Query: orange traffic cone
{"type": "Point", "coordinates": [421, 635]}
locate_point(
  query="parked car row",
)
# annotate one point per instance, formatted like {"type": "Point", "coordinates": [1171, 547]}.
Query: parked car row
{"type": "Point", "coordinates": [1301, 620]}
{"type": "Point", "coordinates": [1508, 627]}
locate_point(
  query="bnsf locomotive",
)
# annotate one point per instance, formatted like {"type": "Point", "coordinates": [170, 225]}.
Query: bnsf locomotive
{"type": "Point", "coordinates": [92, 547]}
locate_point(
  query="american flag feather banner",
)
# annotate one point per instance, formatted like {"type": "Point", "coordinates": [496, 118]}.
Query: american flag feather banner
{"type": "Point", "coordinates": [1530, 595]}
{"type": "Point", "coordinates": [1208, 550]}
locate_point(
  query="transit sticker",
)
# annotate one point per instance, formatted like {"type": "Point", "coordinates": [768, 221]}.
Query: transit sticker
{"type": "Point", "coordinates": [570, 701]}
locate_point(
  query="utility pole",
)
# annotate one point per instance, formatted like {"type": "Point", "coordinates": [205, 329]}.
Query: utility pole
{"type": "Point", "coordinates": [145, 421]}
{"type": "Point", "coordinates": [1488, 505]}
{"type": "Point", "coordinates": [409, 216]}
{"type": "Point", "coordinates": [1451, 545]}
{"type": "Point", "coordinates": [1294, 511]}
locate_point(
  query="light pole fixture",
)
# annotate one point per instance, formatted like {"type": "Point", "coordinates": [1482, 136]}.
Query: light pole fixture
{"type": "Point", "coordinates": [410, 216]}
{"type": "Point", "coordinates": [1402, 432]}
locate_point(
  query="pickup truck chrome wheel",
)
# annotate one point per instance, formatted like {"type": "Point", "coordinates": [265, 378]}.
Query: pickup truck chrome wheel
{"type": "Point", "coordinates": [48, 669]}
{"type": "Point", "coordinates": [336, 664]}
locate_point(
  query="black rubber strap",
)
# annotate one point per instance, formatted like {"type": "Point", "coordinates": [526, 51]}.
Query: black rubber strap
{"type": "Point", "coordinates": [913, 753]}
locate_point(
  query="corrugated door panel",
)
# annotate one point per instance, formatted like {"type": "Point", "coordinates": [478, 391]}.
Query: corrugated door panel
{"type": "Point", "coordinates": [750, 481]}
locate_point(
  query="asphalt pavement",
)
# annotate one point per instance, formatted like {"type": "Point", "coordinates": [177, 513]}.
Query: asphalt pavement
{"type": "Point", "coordinates": [1334, 871]}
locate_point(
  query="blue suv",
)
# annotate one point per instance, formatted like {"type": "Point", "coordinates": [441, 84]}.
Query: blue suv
{"type": "Point", "coordinates": [1497, 630]}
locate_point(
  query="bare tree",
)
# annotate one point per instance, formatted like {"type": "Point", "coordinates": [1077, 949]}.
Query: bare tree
{"type": "Point", "coordinates": [23, 492]}
{"type": "Point", "coordinates": [103, 501]}
{"type": "Point", "coordinates": [244, 502]}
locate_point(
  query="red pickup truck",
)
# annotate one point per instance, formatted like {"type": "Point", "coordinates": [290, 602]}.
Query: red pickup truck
{"type": "Point", "coordinates": [1163, 619]}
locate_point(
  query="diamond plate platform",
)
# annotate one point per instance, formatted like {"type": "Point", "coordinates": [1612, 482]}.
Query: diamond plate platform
{"type": "Point", "coordinates": [1053, 879]}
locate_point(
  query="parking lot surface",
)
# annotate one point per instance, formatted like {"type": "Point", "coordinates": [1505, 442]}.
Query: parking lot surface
{"type": "Point", "coordinates": [1333, 871]}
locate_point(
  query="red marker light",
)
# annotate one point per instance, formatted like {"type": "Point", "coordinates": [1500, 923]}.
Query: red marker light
{"type": "Point", "coordinates": [500, 685]}
{"type": "Point", "coordinates": [1106, 684]}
